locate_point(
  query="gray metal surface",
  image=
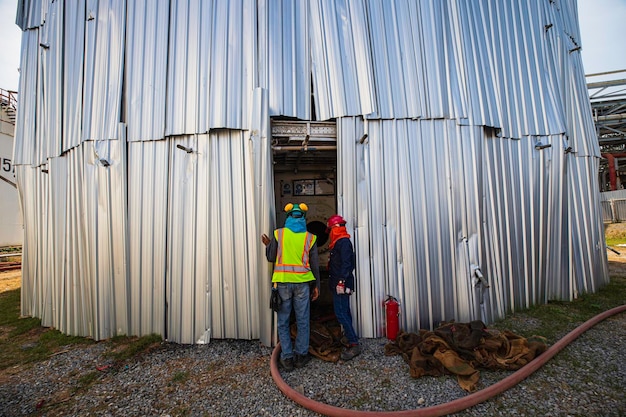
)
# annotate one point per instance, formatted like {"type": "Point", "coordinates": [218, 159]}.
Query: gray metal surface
{"type": "Point", "coordinates": [25, 150]}
{"type": "Point", "coordinates": [146, 69]}
{"type": "Point", "coordinates": [211, 65]}
{"type": "Point", "coordinates": [480, 158]}
{"type": "Point", "coordinates": [73, 76]}
{"type": "Point", "coordinates": [103, 68]}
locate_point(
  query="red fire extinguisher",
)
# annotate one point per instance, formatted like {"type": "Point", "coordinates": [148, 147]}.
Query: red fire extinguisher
{"type": "Point", "coordinates": [392, 312]}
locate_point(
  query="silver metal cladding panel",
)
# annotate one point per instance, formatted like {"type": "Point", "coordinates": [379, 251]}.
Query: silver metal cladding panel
{"type": "Point", "coordinates": [415, 233]}
{"type": "Point", "coordinates": [265, 211]}
{"type": "Point", "coordinates": [588, 245]}
{"type": "Point", "coordinates": [341, 61]}
{"type": "Point", "coordinates": [566, 74]}
{"type": "Point", "coordinates": [77, 271]}
{"type": "Point", "coordinates": [440, 199]}
{"type": "Point", "coordinates": [105, 198]}
{"type": "Point", "coordinates": [210, 65]}
{"type": "Point", "coordinates": [53, 311]}
{"type": "Point", "coordinates": [72, 74]}
{"type": "Point", "coordinates": [31, 13]}
{"type": "Point", "coordinates": [51, 86]}
{"type": "Point", "coordinates": [56, 278]}
{"type": "Point", "coordinates": [284, 63]}
{"type": "Point", "coordinates": [146, 69]}
{"type": "Point", "coordinates": [527, 222]}
{"type": "Point", "coordinates": [213, 239]}
{"type": "Point", "coordinates": [29, 181]}
{"type": "Point", "coordinates": [148, 173]}
{"type": "Point", "coordinates": [189, 61]}
{"type": "Point", "coordinates": [104, 53]}
{"type": "Point", "coordinates": [24, 150]}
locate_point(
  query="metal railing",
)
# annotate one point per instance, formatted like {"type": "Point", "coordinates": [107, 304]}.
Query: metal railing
{"type": "Point", "coordinates": [8, 98]}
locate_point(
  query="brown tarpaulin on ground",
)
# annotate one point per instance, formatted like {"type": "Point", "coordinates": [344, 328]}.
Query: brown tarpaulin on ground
{"type": "Point", "coordinates": [325, 339]}
{"type": "Point", "coordinates": [462, 349]}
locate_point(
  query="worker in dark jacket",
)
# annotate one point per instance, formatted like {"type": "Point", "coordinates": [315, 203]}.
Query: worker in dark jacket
{"type": "Point", "coordinates": [296, 273]}
{"type": "Point", "coordinates": [341, 281]}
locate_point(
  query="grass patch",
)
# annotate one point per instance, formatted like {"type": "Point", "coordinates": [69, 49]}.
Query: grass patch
{"type": "Point", "coordinates": [87, 380]}
{"type": "Point", "coordinates": [23, 340]}
{"type": "Point", "coordinates": [616, 241]}
{"type": "Point", "coordinates": [615, 233]}
{"type": "Point", "coordinates": [555, 319]}
{"type": "Point", "coordinates": [180, 377]}
{"type": "Point", "coordinates": [125, 347]}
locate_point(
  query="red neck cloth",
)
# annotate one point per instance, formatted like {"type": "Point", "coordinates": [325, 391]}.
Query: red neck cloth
{"type": "Point", "coordinates": [336, 233]}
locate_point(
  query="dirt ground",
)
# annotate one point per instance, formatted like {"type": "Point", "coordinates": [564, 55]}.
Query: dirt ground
{"type": "Point", "coordinates": [10, 280]}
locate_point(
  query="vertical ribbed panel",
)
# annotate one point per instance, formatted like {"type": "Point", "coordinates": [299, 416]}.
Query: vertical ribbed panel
{"type": "Point", "coordinates": [148, 172]}
{"type": "Point", "coordinates": [527, 103]}
{"type": "Point", "coordinates": [264, 204]}
{"type": "Point", "coordinates": [212, 285]}
{"type": "Point", "coordinates": [54, 311]}
{"type": "Point", "coordinates": [188, 280]}
{"type": "Point", "coordinates": [567, 74]}
{"type": "Point", "coordinates": [479, 68]}
{"type": "Point", "coordinates": [414, 200]}
{"type": "Point", "coordinates": [104, 53]}
{"type": "Point", "coordinates": [51, 86]}
{"type": "Point", "coordinates": [146, 65]}
{"type": "Point", "coordinates": [33, 185]}
{"type": "Point", "coordinates": [284, 67]}
{"type": "Point", "coordinates": [589, 270]}
{"type": "Point", "coordinates": [105, 197]}
{"type": "Point", "coordinates": [210, 65]}
{"type": "Point", "coordinates": [425, 195]}
{"type": "Point", "coordinates": [25, 147]}
{"type": "Point", "coordinates": [340, 55]}
{"type": "Point", "coordinates": [72, 76]}
{"type": "Point", "coordinates": [76, 277]}
{"type": "Point", "coordinates": [78, 316]}
{"type": "Point", "coordinates": [30, 13]}
{"type": "Point", "coordinates": [525, 221]}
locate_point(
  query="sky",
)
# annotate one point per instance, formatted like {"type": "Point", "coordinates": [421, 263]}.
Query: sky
{"type": "Point", "coordinates": [601, 21]}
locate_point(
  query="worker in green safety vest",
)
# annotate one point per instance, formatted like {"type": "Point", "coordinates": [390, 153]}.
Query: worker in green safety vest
{"type": "Point", "coordinates": [293, 251]}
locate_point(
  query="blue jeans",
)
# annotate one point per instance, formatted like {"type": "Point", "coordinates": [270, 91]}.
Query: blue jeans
{"type": "Point", "coordinates": [341, 304]}
{"type": "Point", "coordinates": [296, 295]}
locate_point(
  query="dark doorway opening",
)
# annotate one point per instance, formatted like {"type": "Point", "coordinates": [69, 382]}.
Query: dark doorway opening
{"type": "Point", "coordinates": [305, 168]}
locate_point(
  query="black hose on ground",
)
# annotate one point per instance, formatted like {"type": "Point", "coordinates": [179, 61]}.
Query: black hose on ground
{"type": "Point", "coordinates": [452, 406]}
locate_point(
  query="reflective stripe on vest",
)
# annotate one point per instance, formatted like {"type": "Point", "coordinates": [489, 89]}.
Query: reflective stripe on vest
{"type": "Point", "coordinates": [292, 262]}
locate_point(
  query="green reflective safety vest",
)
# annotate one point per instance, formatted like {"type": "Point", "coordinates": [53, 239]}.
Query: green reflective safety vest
{"type": "Point", "coordinates": [292, 257]}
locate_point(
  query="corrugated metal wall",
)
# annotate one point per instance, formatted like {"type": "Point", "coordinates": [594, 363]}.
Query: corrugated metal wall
{"type": "Point", "coordinates": [144, 160]}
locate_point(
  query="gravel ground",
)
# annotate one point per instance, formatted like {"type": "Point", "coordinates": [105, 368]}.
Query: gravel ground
{"type": "Point", "coordinates": [232, 378]}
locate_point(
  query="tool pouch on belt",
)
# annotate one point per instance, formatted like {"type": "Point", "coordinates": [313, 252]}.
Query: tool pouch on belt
{"type": "Point", "coordinates": [275, 300]}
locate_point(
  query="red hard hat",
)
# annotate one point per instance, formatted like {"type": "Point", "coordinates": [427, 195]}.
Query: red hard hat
{"type": "Point", "coordinates": [334, 220]}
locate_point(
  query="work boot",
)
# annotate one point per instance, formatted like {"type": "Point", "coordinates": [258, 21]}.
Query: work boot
{"type": "Point", "coordinates": [287, 364]}
{"type": "Point", "coordinates": [350, 352]}
{"type": "Point", "coordinates": [302, 360]}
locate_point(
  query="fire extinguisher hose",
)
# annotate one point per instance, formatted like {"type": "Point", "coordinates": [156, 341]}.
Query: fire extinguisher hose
{"type": "Point", "coordinates": [449, 407]}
